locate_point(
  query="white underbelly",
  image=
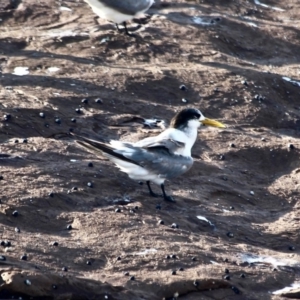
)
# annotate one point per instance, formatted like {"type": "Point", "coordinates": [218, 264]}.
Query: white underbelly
{"type": "Point", "coordinates": [109, 13]}
{"type": "Point", "coordinates": [136, 172]}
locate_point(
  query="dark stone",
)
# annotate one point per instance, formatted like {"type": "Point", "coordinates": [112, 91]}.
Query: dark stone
{"type": "Point", "coordinates": [230, 234]}
{"type": "Point", "coordinates": [15, 213]}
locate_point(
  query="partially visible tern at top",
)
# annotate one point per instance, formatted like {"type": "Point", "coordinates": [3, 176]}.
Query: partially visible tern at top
{"type": "Point", "coordinates": [120, 11]}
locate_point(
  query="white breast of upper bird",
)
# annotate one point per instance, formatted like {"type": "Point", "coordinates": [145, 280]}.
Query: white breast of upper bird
{"type": "Point", "coordinates": [119, 11]}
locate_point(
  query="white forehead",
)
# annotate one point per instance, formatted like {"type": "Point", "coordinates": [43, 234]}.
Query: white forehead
{"type": "Point", "coordinates": [201, 116]}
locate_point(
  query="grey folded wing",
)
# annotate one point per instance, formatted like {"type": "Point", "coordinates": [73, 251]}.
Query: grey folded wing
{"type": "Point", "coordinates": [152, 143]}
{"type": "Point", "coordinates": [127, 7]}
{"type": "Point", "coordinates": [159, 160]}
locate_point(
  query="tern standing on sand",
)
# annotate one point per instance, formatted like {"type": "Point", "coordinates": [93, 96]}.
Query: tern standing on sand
{"type": "Point", "coordinates": [119, 11]}
{"type": "Point", "coordinates": [155, 159]}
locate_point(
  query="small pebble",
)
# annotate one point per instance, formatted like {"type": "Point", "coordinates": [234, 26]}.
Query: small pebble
{"type": "Point", "coordinates": [244, 82]}
{"type": "Point", "coordinates": [274, 269]}
{"type": "Point", "coordinates": [231, 207]}
{"type": "Point", "coordinates": [232, 145]}
{"type": "Point", "coordinates": [99, 100]}
{"type": "Point", "coordinates": [24, 141]}
{"type": "Point", "coordinates": [173, 272]}
{"type": "Point", "coordinates": [117, 210]}
{"type": "Point", "coordinates": [227, 277]}
{"type": "Point", "coordinates": [222, 157]}
{"type": "Point", "coordinates": [263, 139]}
{"type": "Point", "coordinates": [55, 244]}
{"type": "Point", "coordinates": [6, 117]}
{"type": "Point", "coordinates": [119, 258]}
{"type": "Point", "coordinates": [74, 188]}
{"type": "Point", "coordinates": [195, 283]}
{"type": "Point", "coordinates": [90, 184]}
{"type": "Point", "coordinates": [225, 259]}
{"type": "Point", "coordinates": [16, 141]}
{"type": "Point", "coordinates": [73, 120]}
{"type": "Point", "coordinates": [15, 213]}
{"type": "Point", "coordinates": [2, 258]}
{"type": "Point", "coordinates": [182, 87]}
{"type": "Point", "coordinates": [69, 227]}
{"type": "Point", "coordinates": [251, 193]}
{"type": "Point", "coordinates": [23, 257]}
{"type": "Point", "coordinates": [194, 258]}
{"type": "Point", "coordinates": [1, 177]}
{"type": "Point", "coordinates": [85, 101]}
{"type": "Point", "coordinates": [174, 225]}
{"type": "Point", "coordinates": [42, 115]}
{"type": "Point", "coordinates": [158, 207]}
{"type": "Point", "coordinates": [17, 230]}
{"type": "Point", "coordinates": [242, 275]}
{"type": "Point", "coordinates": [291, 146]}
{"type": "Point", "coordinates": [136, 207]}
{"type": "Point", "coordinates": [7, 244]}
{"type": "Point", "coordinates": [51, 194]}
{"type": "Point", "coordinates": [235, 289]}
{"type": "Point", "coordinates": [65, 269]}
{"type": "Point", "coordinates": [292, 248]}
{"type": "Point", "coordinates": [132, 278]}
{"type": "Point", "coordinates": [161, 222]}
{"type": "Point", "coordinates": [184, 100]}
{"type": "Point", "coordinates": [88, 262]}
{"type": "Point", "coordinates": [27, 282]}
{"type": "Point", "coordinates": [54, 286]}
{"type": "Point", "coordinates": [230, 234]}
{"type": "Point", "coordinates": [168, 257]}
{"type": "Point", "coordinates": [173, 256]}
{"type": "Point", "coordinates": [78, 110]}
{"type": "Point", "coordinates": [90, 164]}
{"type": "Point", "coordinates": [141, 182]}
{"type": "Point", "coordinates": [57, 121]}
{"type": "Point", "coordinates": [126, 273]}
{"type": "Point", "coordinates": [180, 269]}
{"type": "Point", "coordinates": [226, 271]}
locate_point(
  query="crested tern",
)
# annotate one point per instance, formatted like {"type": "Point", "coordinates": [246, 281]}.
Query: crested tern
{"type": "Point", "coordinates": [155, 159]}
{"type": "Point", "coordinates": [119, 11]}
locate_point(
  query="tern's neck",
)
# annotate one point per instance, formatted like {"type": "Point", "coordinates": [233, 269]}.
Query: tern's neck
{"type": "Point", "coordinates": [191, 134]}
{"type": "Point", "coordinates": [187, 136]}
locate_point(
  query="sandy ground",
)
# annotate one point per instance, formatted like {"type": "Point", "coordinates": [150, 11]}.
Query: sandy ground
{"type": "Point", "coordinates": [244, 185]}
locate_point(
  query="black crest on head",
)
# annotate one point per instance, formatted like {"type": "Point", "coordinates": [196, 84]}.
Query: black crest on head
{"type": "Point", "coordinates": [181, 118]}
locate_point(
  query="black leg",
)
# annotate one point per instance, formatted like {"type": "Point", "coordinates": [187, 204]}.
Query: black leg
{"type": "Point", "coordinates": [166, 197]}
{"type": "Point", "coordinates": [118, 27]}
{"type": "Point", "coordinates": [126, 30]}
{"type": "Point", "coordinates": [150, 190]}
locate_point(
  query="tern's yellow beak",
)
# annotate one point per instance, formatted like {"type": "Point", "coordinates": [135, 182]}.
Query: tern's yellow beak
{"type": "Point", "coordinates": [213, 123]}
